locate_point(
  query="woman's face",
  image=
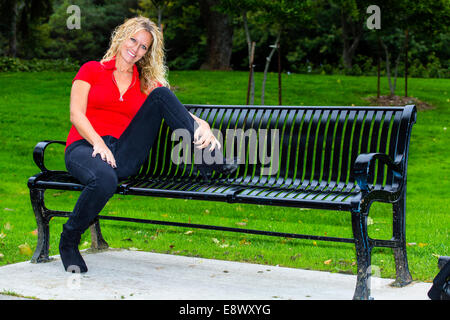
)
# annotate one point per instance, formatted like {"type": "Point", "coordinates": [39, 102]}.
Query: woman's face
{"type": "Point", "coordinates": [134, 48]}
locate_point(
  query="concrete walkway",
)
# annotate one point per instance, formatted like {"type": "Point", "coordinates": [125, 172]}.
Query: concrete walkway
{"type": "Point", "coordinates": [123, 274]}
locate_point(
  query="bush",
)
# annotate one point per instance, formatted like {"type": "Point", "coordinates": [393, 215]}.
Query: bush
{"type": "Point", "coordinates": [354, 71]}
{"type": "Point", "coordinates": [417, 70]}
{"type": "Point", "coordinates": [8, 64]}
{"type": "Point", "coordinates": [327, 69]}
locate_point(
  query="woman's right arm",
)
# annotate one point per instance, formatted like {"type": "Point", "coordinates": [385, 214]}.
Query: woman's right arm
{"type": "Point", "coordinates": [78, 104]}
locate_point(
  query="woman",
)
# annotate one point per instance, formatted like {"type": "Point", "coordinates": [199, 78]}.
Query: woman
{"type": "Point", "coordinates": [116, 108]}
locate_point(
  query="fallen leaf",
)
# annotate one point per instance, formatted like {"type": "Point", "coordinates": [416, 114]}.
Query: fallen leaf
{"type": "Point", "coordinates": [295, 257]}
{"type": "Point", "coordinates": [189, 232]}
{"type": "Point", "coordinates": [244, 242]}
{"type": "Point", "coordinates": [25, 249]}
{"type": "Point", "coordinates": [2, 235]}
{"type": "Point", "coordinates": [34, 232]}
{"type": "Point", "coordinates": [7, 226]}
{"type": "Point", "coordinates": [369, 221]}
{"type": "Point", "coordinates": [423, 245]}
{"type": "Point", "coordinates": [241, 223]}
{"type": "Point", "coordinates": [327, 261]}
{"type": "Point", "coordinates": [411, 244]}
{"type": "Point", "coordinates": [1, 256]}
{"type": "Point", "coordinates": [315, 243]}
{"type": "Point", "coordinates": [215, 241]}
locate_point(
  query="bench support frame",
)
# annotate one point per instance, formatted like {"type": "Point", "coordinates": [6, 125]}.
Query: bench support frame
{"type": "Point", "coordinates": [42, 220]}
{"type": "Point", "coordinates": [403, 276]}
{"type": "Point", "coordinates": [363, 243]}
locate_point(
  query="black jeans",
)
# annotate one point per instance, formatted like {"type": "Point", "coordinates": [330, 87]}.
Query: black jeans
{"type": "Point", "coordinates": [129, 151]}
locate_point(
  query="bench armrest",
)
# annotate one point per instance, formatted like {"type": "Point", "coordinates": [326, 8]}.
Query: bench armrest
{"type": "Point", "coordinates": [362, 166]}
{"type": "Point", "coordinates": [38, 152]}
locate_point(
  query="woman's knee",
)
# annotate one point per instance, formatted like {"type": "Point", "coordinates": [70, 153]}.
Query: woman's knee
{"type": "Point", "coordinates": [161, 93]}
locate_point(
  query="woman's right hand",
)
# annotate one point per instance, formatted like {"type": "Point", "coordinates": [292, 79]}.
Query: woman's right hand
{"type": "Point", "coordinates": [104, 152]}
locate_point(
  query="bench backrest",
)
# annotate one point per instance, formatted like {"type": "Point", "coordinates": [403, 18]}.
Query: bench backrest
{"type": "Point", "coordinates": [317, 145]}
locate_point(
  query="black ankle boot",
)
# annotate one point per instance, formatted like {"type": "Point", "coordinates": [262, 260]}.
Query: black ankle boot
{"type": "Point", "coordinates": [70, 255]}
{"type": "Point", "coordinates": [226, 168]}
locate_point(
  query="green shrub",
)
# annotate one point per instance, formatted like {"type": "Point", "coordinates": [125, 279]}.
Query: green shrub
{"type": "Point", "coordinates": [8, 64]}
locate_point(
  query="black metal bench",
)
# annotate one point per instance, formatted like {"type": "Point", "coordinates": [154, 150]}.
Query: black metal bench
{"type": "Point", "coordinates": [335, 158]}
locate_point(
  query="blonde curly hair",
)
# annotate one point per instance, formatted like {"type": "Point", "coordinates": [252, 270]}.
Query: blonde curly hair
{"type": "Point", "coordinates": [152, 68]}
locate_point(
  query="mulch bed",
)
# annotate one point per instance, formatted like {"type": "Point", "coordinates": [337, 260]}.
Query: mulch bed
{"type": "Point", "coordinates": [398, 101]}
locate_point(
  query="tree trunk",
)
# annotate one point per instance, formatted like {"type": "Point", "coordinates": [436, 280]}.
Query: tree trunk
{"type": "Point", "coordinates": [397, 62]}
{"type": "Point", "coordinates": [159, 6]}
{"type": "Point", "coordinates": [406, 62]}
{"type": "Point", "coordinates": [266, 68]}
{"type": "Point", "coordinates": [251, 79]}
{"type": "Point", "coordinates": [351, 34]}
{"type": "Point", "coordinates": [13, 30]}
{"type": "Point", "coordinates": [388, 65]}
{"type": "Point", "coordinates": [378, 77]}
{"type": "Point", "coordinates": [279, 75]}
{"type": "Point", "coordinates": [251, 54]}
{"type": "Point", "coordinates": [388, 68]}
{"type": "Point", "coordinates": [379, 53]}
{"type": "Point", "coordinates": [160, 11]}
{"type": "Point", "coordinates": [219, 32]}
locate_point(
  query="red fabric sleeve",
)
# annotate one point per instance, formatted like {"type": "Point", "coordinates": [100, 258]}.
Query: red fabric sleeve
{"type": "Point", "coordinates": [87, 72]}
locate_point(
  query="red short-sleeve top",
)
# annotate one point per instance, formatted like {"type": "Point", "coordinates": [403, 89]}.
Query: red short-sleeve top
{"type": "Point", "coordinates": [108, 112]}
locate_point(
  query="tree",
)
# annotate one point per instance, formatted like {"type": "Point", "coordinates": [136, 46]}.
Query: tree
{"type": "Point", "coordinates": [219, 35]}
{"type": "Point", "coordinates": [148, 5]}
{"type": "Point", "coordinates": [20, 16]}
{"type": "Point", "coordinates": [239, 9]}
{"type": "Point", "coordinates": [280, 16]}
{"type": "Point", "coordinates": [352, 17]}
{"type": "Point", "coordinates": [401, 18]}
{"type": "Point", "coordinates": [97, 23]}
{"type": "Point", "coordinates": [184, 31]}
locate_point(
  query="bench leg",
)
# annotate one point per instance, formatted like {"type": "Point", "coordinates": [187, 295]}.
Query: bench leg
{"type": "Point", "coordinates": [97, 241]}
{"type": "Point", "coordinates": [43, 243]}
{"type": "Point", "coordinates": [363, 256]}
{"type": "Point", "coordinates": [403, 277]}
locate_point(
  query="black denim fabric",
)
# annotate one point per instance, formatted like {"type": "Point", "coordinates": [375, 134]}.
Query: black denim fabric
{"type": "Point", "coordinates": [129, 151]}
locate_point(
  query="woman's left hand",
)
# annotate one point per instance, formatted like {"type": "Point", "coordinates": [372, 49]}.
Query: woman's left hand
{"type": "Point", "coordinates": [203, 136]}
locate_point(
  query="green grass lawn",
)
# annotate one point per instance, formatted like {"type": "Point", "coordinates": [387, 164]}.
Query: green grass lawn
{"type": "Point", "coordinates": [35, 107]}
